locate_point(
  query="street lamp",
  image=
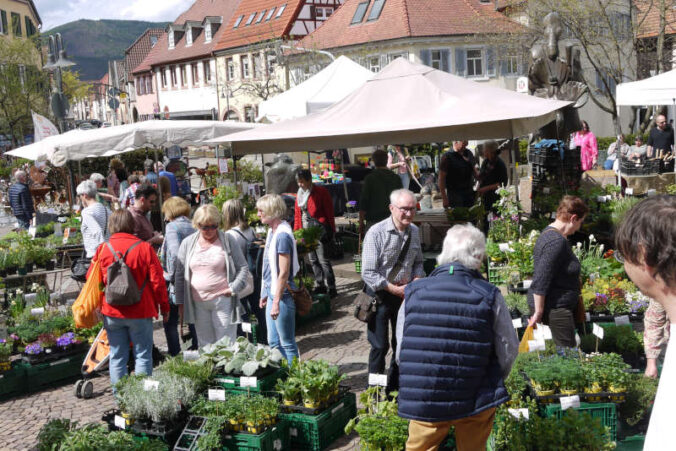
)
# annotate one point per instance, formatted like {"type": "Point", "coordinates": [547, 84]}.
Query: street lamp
{"type": "Point", "coordinates": [56, 60]}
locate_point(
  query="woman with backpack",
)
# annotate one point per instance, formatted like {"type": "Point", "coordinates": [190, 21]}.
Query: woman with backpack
{"type": "Point", "coordinates": [210, 272]}
{"type": "Point", "coordinates": [177, 213]}
{"type": "Point", "coordinates": [134, 292]}
{"type": "Point", "coordinates": [236, 225]}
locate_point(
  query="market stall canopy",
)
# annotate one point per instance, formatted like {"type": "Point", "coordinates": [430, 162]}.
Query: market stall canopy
{"type": "Point", "coordinates": [80, 144]}
{"type": "Point", "coordinates": [657, 90]}
{"type": "Point", "coordinates": [317, 93]}
{"type": "Point", "coordinates": [405, 103]}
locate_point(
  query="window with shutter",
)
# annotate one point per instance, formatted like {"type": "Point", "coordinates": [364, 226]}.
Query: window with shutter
{"type": "Point", "coordinates": [435, 61]}
{"type": "Point", "coordinates": [446, 60]}
{"type": "Point", "coordinates": [475, 62]}
{"type": "Point", "coordinates": [460, 62]}
{"type": "Point", "coordinates": [16, 24]}
{"type": "Point", "coordinates": [5, 30]}
{"type": "Point", "coordinates": [426, 57]}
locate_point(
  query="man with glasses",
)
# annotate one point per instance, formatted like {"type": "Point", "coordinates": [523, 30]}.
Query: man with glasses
{"type": "Point", "coordinates": [391, 258]}
{"type": "Point", "coordinates": [661, 139]}
{"type": "Point", "coordinates": [146, 197]}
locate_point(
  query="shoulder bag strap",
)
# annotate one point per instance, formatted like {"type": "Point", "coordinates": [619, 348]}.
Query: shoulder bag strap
{"type": "Point", "coordinates": [400, 260]}
{"type": "Point", "coordinates": [242, 235]}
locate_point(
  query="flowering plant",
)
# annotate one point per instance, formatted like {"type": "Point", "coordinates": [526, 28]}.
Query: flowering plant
{"type": "Point", "coordinates": [34, 349]}
{"type": "Point", "coordinates": [66, 340]}
{"type": "Point", "coordinates": [611, 295]}
{"type": "Point", "coordinates": [47, 340]}
{"type": "Point", "coordinates": [5, 350]}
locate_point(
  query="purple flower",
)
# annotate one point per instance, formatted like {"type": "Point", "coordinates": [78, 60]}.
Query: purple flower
{"type": "Point", "coordinates": [14, 337]}
{"type": "Point", "coordinates": [33, 349]}
{"type": "Point", "coordinates": [66, 339]}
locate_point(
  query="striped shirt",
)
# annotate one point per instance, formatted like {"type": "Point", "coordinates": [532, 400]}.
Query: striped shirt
{"type": "Point", "coordinates": [382, 245]}
{"type": "Point", "coordinates": [94, 227]}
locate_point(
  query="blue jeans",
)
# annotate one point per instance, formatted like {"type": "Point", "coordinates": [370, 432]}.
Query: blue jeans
{"type": "Point", "coordinates": [122, 332]}
{"type": "Point", "coordinates": [608, 165]}
{"type": "Point", "coordinates": [405, 179]}
{"type": "Point", "coordinates": [171, 332]}
{"type": "Point", "coordinates": [282, 331]}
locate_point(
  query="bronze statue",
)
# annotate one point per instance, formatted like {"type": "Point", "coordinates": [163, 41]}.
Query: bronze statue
{"type": "Point", "coordinates": [554, 77]}
{"type": "Point", "coordinates": [281, 175]}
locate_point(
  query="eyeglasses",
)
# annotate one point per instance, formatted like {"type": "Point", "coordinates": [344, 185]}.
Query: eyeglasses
{"type": "Point", "coordinates": [405, 209]}
{"type": "Point", "coordinates": [208, 227]}
{"type": "Point", "coordinates": [618, 256]}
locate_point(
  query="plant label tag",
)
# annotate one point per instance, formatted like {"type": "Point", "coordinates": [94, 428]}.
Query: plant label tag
{"type": "Point", "coordinates": [120, 422]}
{"type": "Point", "coordinates": [546, 332]}
{"type": "Point", "coordinates": [597, 330]}
{"type": "Point", "coordinates": [519, 413]}
{"type": "Point", "coordinates": [277, 445]}
{"type": "Point", "coordinates": [378, 379]}
{"type": "Point", "coordinates": [190, 355]}
{"type": "Point", "coordinates": [38, 311]}
{"type": "Point", "coordinates": [248, 382]}
{"type": "Point", "coordinates": [587, 316]}
{"type": "Point", "coordinates": [149, 384]}
{"type": "Point", "coordinates": [293, 432]}
{"type": "Point", "coordinates": [246, 328]}
{"type": "Point", "coordinates": [225, 381]}
{"type": "Point", "coordinates": [622, 320]}
{"type": "Point", "coordinates": [629, 191]}
{"type": "Point", "coordinates": [546, 190]}
{"type": "Point", "coordinates": [536, 345]}
{"type": "Point", "coordinates": [216, 395]}
{"type": "Point", "coordinates": [504, 247]}
{"type": "Point", "coordinates": [601, 199]}
{"type": "Point", "coordinates": [570, 401]}
{"type": "Point", "coordinates": [517, 323]}
{"type": "Point", "coordinates": [32, 230]}
{"type": "Point", "coordinates": [652, 192]}
{"type": "Point", "coordinates": [609, 197]}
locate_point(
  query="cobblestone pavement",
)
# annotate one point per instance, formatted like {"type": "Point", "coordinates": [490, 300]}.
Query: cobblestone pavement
{"type": "Point", "coordinates": [339, 339]}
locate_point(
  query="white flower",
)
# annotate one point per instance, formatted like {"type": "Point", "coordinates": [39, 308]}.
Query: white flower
{"type": "Point", "coordinates": [601, 248]}
{"type": "Point", "coordinates": [591, 238]}
{"type": "Point", "coordinates": [579, 245]}
{"type": "Point", "coordinates": [19, 291]}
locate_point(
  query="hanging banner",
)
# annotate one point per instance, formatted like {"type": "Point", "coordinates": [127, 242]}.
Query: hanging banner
{"type": "Point", "coordinates": [43, 127]}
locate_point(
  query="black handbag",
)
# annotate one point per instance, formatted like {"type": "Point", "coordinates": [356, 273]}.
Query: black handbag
{"type": "Point", "coordinates": [79, 268]}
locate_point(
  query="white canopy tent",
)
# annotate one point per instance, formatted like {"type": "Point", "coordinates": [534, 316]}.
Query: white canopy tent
{"type": "Point", "coordinates": [330, 85]}
{"type": "Point", "coordinates": [405, 103]}
{"type": "Point", "coordinates": [79, 144]}
{"type": "Point", "coordinates": [657, 90]}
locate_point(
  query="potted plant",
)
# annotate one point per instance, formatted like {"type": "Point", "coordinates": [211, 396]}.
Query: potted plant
{"type": "Point", "coordinates": [290, 389]}
{"type": "Point", "coordinates": [22, 262]}
{"type": "Point", "coordinates": [5, 353]}
{"type": "Point", "coordinates": [41, 297]}
{"type": "Point", "coordinates": [543, 380]}
{"type": "Point", "coordinates": [3, 263]}
{"type": "Point", "coordinates": [312, 393]}
{"type": "Point", "coordinates": [571, 376]}
{"type": "Point", "coordinates": [11, 264]}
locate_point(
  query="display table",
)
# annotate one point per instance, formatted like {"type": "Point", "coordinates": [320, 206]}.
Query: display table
{"type": "Point", "coordinates": [642, 183]}
{"type": "Point", "coordinates": [338, 195]}
{"type": "Point", "coordinates": [433, 225]}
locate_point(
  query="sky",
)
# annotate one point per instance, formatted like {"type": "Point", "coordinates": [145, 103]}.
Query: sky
{"type": "Point", "coordinates": [59, 12]}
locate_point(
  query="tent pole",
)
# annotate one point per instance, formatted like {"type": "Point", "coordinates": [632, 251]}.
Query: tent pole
{"type": "Point", "coordinates": [263, 172]}
{"type": "Point", "coordinates": [234, 167]}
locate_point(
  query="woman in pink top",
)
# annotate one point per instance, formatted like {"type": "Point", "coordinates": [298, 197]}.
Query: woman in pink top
{"type": "Point", "coordinates": [210, 271]}
{"type": "Point", "coordinates": [589, 148]}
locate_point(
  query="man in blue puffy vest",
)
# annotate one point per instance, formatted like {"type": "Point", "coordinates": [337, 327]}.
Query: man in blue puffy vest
{"type": "Point", "coordinates": [20, 200]}
{"type": "Point", "coordinates": [457, 345]}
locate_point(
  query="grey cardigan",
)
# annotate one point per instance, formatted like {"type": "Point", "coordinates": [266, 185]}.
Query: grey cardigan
{"type": "Point", "coordinates": [236, 268]}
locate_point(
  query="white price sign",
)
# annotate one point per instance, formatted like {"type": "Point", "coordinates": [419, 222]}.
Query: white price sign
{"type": "Point", "coordinates": [598, 331]}
{"type": "Point", "coordinates": [38, 311]}
{"type": "Point", "coordinates": [246, 328]}
{"type": "Point", "coordinates": [629, 191]}
{"type": "Point", "coordinates": [149, 384]}
{"type": "Point", "coordinates": [504, 247]}
{"type": "Point", "coordinates": [570, 401]}
{"type": "Point", "coordinates": [536, 345]}
{"type": "Point", "coordinates": [378, 379]}
{"type": "Point", "coordinates": [546, 332]}
{"type": "Point", "coordinates": [190, 355]}
{"type": "Point", "coordinates": [517, 323]}
{"type": "Point", "coordinates": [601, 199]}
{"type": "Point", "coordinates": [248, 382]}
{"type": "Point", "coordinates": [622, 320]}
{"type": "Point", "coordinates": [519, 413]}
{"type": "Point", "coordinates": [120, 422]}
{"type": "Point", "coordinates": [216, 395]}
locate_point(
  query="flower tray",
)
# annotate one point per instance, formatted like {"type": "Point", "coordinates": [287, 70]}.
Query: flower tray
{"type": "Point", "coordinates": [13, 382]}
{"type": "Point", "coordinates": [605, 412]}
{"type": "Point", "coordinates": [600, 397]}
{"type": "Point", "coordinates": [321, 308]}
{"type": "Point", "coordinates": [317, 432]}
{"type": "Point", "coordinates": [55, 354]}
{"type": "Point", "coordinates": [275, 438]}
{"type": "Point", "coordinates": [167, 431]}
{"type": "Point", "coordinates": [53, 373]}
{"type": "Point", "coordinates": [342, 391]}
{"type": "Point", "coordinates": [265, 381]}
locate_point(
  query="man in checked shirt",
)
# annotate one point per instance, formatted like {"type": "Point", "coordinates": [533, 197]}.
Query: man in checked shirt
{"type": "Point", "coordinates": [391, 258]}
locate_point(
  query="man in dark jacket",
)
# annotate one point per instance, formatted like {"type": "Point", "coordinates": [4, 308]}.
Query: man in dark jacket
{"type": "Point", "coordinates": [374, 203]}
{"type": "Point", "coordinates": [457, 345]}
{"type": "Point", "coordinates": [21, 201]}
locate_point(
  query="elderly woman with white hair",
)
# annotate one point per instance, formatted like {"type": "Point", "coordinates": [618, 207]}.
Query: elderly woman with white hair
{"type": "Point", "coordinates": [457, 347]}
{"type": "Point", "coordinates": [280, 265]}
{"type": "Point", "coordinates": [102, 195]}
{"type": "Point", "coordinates": [94, 218]}
{"type": "Point", "coordinates": [210, 271]}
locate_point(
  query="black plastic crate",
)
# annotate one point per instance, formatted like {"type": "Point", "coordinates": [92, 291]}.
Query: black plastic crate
{"type": "Point", "coordinates": [646, 168]}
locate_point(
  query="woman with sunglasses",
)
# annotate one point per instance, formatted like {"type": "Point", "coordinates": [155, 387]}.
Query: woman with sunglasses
{"type": "Point", "coordinates": [210, 271]}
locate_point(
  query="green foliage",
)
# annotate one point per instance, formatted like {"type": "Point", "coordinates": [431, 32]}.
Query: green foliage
{"type": "Point", "coordinates": [315, 380]}
{"type": "Point", "coordinates": [378, 424]}
{"type": "Point", "coordinates": [199, 373]}
{"type": "Point", "coordinates": [53, 433]}
{"type": "Point", "coordinates": [29, 328]}
{"type": "Point", "coordinates": [640, 397]}
{"type": "Point", "coordinates": [247, 170]}
{"type": "Point", "coordinates": [64, 435]}
{"type": "Point", "coordinates": [240, 357]}
{"type": "Point", "coordinates": [671, 189]}
{"type": "Point", "coordinates": [621, 207]}
{"type": "Point", "coordinates": [618, 339]}
{"type": "Point", "coordinates": [517, 303]}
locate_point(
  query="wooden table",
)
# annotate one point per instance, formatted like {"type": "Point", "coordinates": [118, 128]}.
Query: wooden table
{"type": "Point", "coordinates": [38, 276]}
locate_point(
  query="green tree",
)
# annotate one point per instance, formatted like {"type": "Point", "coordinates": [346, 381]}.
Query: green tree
{"type": "Point", "coordinates": [73, 87]}
{"type": "Point", "coordinates": [24, 87]}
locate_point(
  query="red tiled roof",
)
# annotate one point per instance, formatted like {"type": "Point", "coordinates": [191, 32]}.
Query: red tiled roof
{"type": "Point", "coordinates": [407, 18]}
{"type": "Point", "coordinates": [648, 17]}
{"type": "Point", "coordinates": [199, 10]}
{"type": "Point", "coordinates": [276, 27]}
{"type": "Point", "coordinates": [136, 53]}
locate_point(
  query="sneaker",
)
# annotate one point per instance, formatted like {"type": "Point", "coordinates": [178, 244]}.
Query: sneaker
{"type": "Point", "coordinates": [321, 289]}
{"type": "Point", "coordinates": [333, 293]}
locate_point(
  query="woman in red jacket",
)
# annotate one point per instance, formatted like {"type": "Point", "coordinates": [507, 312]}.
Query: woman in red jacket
{"type": "Point", "coordinates": [132, 323]}
{"type": "Point", "coordinates": [314, 207]}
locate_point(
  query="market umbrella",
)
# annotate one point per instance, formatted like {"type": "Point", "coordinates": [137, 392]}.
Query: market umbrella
{"type": "Point", "coordinates": [405, 103]}
{"type": "Point", "coordinates": [657, 90]}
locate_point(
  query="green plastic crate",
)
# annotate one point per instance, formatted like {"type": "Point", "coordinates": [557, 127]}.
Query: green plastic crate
{"type": "Point", "coordinates": [13, 382]}
{"type": "Point", "coordinates": [321, 308]}
{"type": "Point", "coordinates": [633, 443]}
{"type": "Point", "coordinates": [274, 439]}
{"type": "Point", "coordinates": [496, 275]}
{"type": "Point", "coordinates": [263, 384]}
{"type": "Point", "coordinates": [606, 412]}
{"type": "Point", "coordinates": [53, 373]}
{"type": "Point", "coordinates": [317, 432]}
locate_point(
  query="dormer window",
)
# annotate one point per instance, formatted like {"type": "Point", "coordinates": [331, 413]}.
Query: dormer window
{"type": "Point", "coordinates": [171, 38]}
{"type": "Point", "coordinates": [188, 36]}
{"type": "Point", "coordinates": [207, 32]}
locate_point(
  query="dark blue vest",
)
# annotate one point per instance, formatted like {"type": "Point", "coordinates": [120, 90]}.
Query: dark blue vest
{"type": "Point", "coordinates": [448, 367]}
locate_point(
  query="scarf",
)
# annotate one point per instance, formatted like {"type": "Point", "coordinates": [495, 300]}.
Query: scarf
{"type": "Point", "coordinates": [302, 197]}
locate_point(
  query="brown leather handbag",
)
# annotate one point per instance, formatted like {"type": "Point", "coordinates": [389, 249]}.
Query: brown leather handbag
{"type": "Point", "coordinates": [302, 298]}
